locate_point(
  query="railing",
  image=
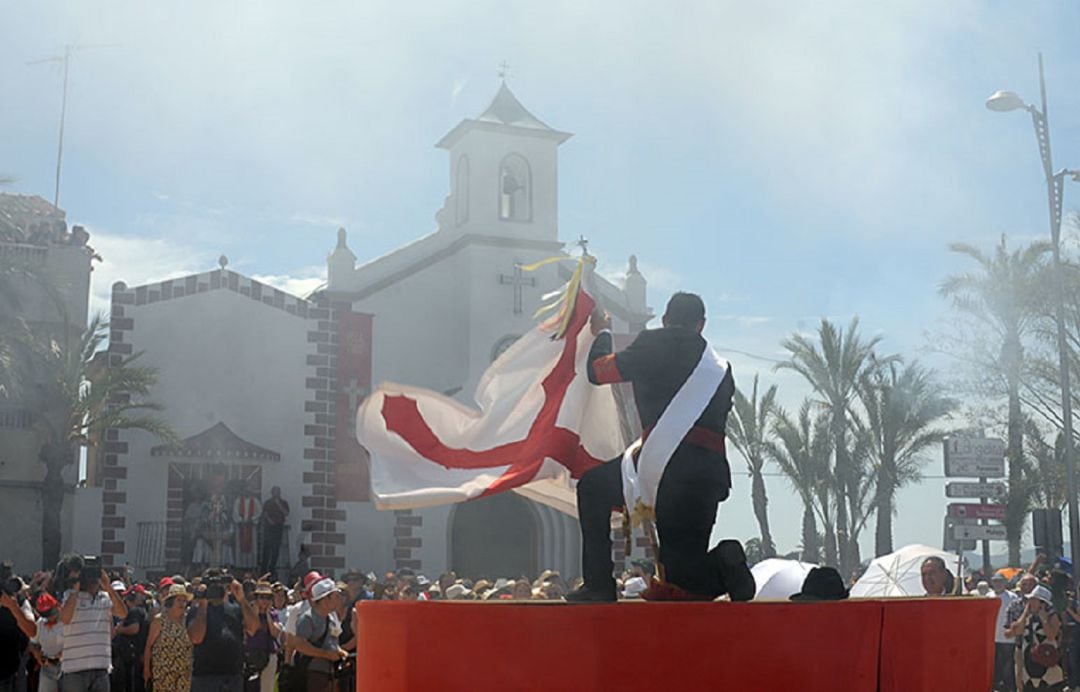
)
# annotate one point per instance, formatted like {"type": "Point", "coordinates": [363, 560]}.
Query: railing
{"type": "Point", "coordinates": [150, 546]}
{"type": "Point", "coordinates": [16, 418]}
{"type": "Point", "coordinates": [152, 539]}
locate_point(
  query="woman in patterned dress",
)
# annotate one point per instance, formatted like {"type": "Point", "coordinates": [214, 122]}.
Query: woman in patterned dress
{"type": "Point", "coordinates": [1039, 627]}
{"type": "Point", "coordinates": [168, 657]}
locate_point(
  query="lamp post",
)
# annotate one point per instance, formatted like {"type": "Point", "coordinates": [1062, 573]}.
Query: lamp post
{"type": "Point", "coordinates": [1003, 101]}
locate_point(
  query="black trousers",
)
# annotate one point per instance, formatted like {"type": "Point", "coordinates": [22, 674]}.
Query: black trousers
{"type": "Point", "coordinates": [1004, 667]}
{"type": "Point", "coordinates": [694, 483]}
{"type": "Point", "coordinates": [271, 548]}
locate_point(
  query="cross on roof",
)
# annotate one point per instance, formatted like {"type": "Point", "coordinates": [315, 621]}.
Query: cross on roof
{"type": "Point", "coordinates": [504, 70]}
{"type": "Point", "coordinates": [518, 280]}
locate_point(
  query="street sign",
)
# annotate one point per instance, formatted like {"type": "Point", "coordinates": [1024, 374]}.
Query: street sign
{"type": "Point", "coordinates": [974, 511]}
{"type": "Point", "coordinates": [950, 544]}
{"type": "Point", "coordinates": [967, 457]}
{"type": "Point", "coordinates": [967, 489]}
{"type": "Point", "coordinates": [991, 532]}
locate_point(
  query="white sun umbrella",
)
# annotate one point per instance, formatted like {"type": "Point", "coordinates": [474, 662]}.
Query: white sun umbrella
{"type": "Point", "coordinates": [779, 579]}
{"type": "Point", "coordinates": [900, 573]}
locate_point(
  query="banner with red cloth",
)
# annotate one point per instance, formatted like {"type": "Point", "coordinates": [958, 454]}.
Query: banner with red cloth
{"type": "Point", "coordinates": [351, 464]}
{"type": "Point", "coordinates": [540, 423]}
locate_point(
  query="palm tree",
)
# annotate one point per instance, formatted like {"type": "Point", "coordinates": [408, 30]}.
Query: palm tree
{"type": "Point", "coordinates": [1046, 475]}
{"type": "Point", "coordinates": [802, 448]}
{"type": "Point", "coordinates": [22, 277]}
{"type": "Point", "coordinates": [749, 430]}
{"type": "Point", "coordinates": [77, 398]}
{"type": "Point", "coordinates": [901, 406]}
{"type": "Point", "coordinates": [1003, 295]}
{"type": "Point", "coordinates": [833, 364]}
{"type": "Point", "coordinates": [755, 551]}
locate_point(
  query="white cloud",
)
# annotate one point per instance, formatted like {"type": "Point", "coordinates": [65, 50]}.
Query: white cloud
{"type": "Point", "coordinates": [456, 89]}
{"type": "Point", "coordinates": [318, 219]}
{"type": "Point", "coordinates": [300, 283]}
{"type": "Point", "coordinates": [137, 261]}
{"type": "Point", "coordinates": [747, 320]}
{"type": "Point", "coordinates": [661, 279]}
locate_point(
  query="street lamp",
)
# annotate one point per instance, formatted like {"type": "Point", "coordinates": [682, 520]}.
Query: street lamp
{"type": "Point", "coordinates": [1005, 101]}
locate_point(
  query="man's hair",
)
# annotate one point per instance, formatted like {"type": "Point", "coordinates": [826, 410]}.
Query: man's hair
{"type": "Point", "coordinates": [937, 561]}
{"type": "Point", "coordinates": [685, 310]}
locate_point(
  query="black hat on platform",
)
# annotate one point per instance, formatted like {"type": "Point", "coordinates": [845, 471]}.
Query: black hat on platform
{"type": "Point", "coordinates": [822, 584]}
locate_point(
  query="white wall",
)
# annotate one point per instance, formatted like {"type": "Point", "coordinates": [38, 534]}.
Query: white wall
{"type": "Point", "coordinates": [221, 357]}
{"type": "Point", "coordinates": [85, 534]}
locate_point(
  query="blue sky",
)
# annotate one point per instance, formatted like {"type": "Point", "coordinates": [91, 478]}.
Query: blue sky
{"type": "Point", "coordinates": [788, 160]}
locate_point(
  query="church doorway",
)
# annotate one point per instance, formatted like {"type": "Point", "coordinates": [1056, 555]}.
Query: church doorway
{"type": "Point", "coordinates": [494, 537]}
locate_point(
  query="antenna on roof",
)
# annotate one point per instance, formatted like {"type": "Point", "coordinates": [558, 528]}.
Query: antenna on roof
{"type": "Point", "coordinates": [65, 59]}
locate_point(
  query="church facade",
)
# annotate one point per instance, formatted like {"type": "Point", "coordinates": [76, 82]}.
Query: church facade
{"type": "Point", "coordinates": [263, 386]}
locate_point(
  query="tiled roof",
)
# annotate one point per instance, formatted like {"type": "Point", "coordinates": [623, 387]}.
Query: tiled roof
{"type": "Point", "coordinates": [506, 109]}
{"type": "Point", "coordinates": [30, 219]}
{"type": "Point", "coordinates": [218, 442]}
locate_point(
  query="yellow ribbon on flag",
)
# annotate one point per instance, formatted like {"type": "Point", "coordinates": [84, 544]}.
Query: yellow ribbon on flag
{"type": "Point", "coordinates": [566, 299]}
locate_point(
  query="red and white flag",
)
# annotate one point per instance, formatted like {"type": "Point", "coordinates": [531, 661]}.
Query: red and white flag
{"type": "Point", "coordinates": [539, 426]}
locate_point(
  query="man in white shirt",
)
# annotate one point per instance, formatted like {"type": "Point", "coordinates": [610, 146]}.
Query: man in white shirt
{"type": "Point", "coordinates": [296, 610]}
{"type": "Point", "coordinates": [87, 616]}
{"type": "Point", "coordinates": [1004, 646]}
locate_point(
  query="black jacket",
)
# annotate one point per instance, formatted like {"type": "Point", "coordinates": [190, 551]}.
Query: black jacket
{"type": "Point", "coordinates": [657, 363]}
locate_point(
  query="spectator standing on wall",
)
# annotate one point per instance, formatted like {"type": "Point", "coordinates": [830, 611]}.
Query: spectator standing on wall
{"type": "Point", "coordinates": [275, 513]}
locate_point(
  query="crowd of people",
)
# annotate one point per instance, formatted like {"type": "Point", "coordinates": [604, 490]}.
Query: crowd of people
{"type": "Point", "coordinates": [81, 627]}
{"type": "Point", "coordinates": [84, 628]}
{"type": "Point", "coordinates": [1037, 633]}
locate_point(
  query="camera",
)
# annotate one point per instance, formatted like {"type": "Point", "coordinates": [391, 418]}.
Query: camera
{"type": "Point", "coordinates": [216, 583]}
{"type": "Point", "coordinates": [90, 573]}
{"type": "Point", "coordinates": [9, 583]}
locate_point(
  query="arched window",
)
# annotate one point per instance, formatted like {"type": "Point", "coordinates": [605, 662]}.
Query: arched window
{"type": "Point", "coordinates": [461, 191]}
{"type": "Point", "coordinates": [515, 189]}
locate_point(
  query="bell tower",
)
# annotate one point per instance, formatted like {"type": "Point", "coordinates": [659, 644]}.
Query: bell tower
{"type": "Point", "coordinates": [503, 173]}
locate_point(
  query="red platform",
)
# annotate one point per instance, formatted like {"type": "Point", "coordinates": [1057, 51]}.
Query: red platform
{"type": "Point", "coordinates": [896, 645]}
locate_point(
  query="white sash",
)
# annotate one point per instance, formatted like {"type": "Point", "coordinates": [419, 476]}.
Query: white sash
{"type": "Point", "coordinates": [640, 484]}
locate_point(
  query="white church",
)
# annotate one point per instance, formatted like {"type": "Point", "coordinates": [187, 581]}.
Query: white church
{"type": "Point", "coordinates": [263, 386]}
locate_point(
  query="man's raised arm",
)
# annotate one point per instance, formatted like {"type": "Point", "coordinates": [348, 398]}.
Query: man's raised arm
{"type": "Point", "coordinates": [605, 366]}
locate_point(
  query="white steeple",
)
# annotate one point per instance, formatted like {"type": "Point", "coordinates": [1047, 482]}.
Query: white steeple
{"type": "Point", "coordinates": [635, 288]}
{"type": "Point", "coordinates": [503, 173]}
{"type": "Point", "coordinates": [340, 265]}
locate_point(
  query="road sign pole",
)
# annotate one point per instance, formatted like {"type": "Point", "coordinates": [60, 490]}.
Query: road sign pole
{"type": "Point", "coordinates": [986, 544]}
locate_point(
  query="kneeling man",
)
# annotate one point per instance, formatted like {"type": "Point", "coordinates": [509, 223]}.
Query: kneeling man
{"type": "Point", "coordinates": [683, 392]}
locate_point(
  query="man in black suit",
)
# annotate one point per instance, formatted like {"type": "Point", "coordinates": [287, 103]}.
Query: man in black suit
{"type": "Point", "coordinates": [697, 476]}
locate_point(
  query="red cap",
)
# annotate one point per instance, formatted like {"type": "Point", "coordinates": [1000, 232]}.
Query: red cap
{"type": "Point", "coordinates": [138, 588]}
{"type": "Point", "coordinates": [310, 578]}
{"type": "Point", "coordinates": [165, 583]}
{"type": "Point", "coordinates": [45, 603]}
